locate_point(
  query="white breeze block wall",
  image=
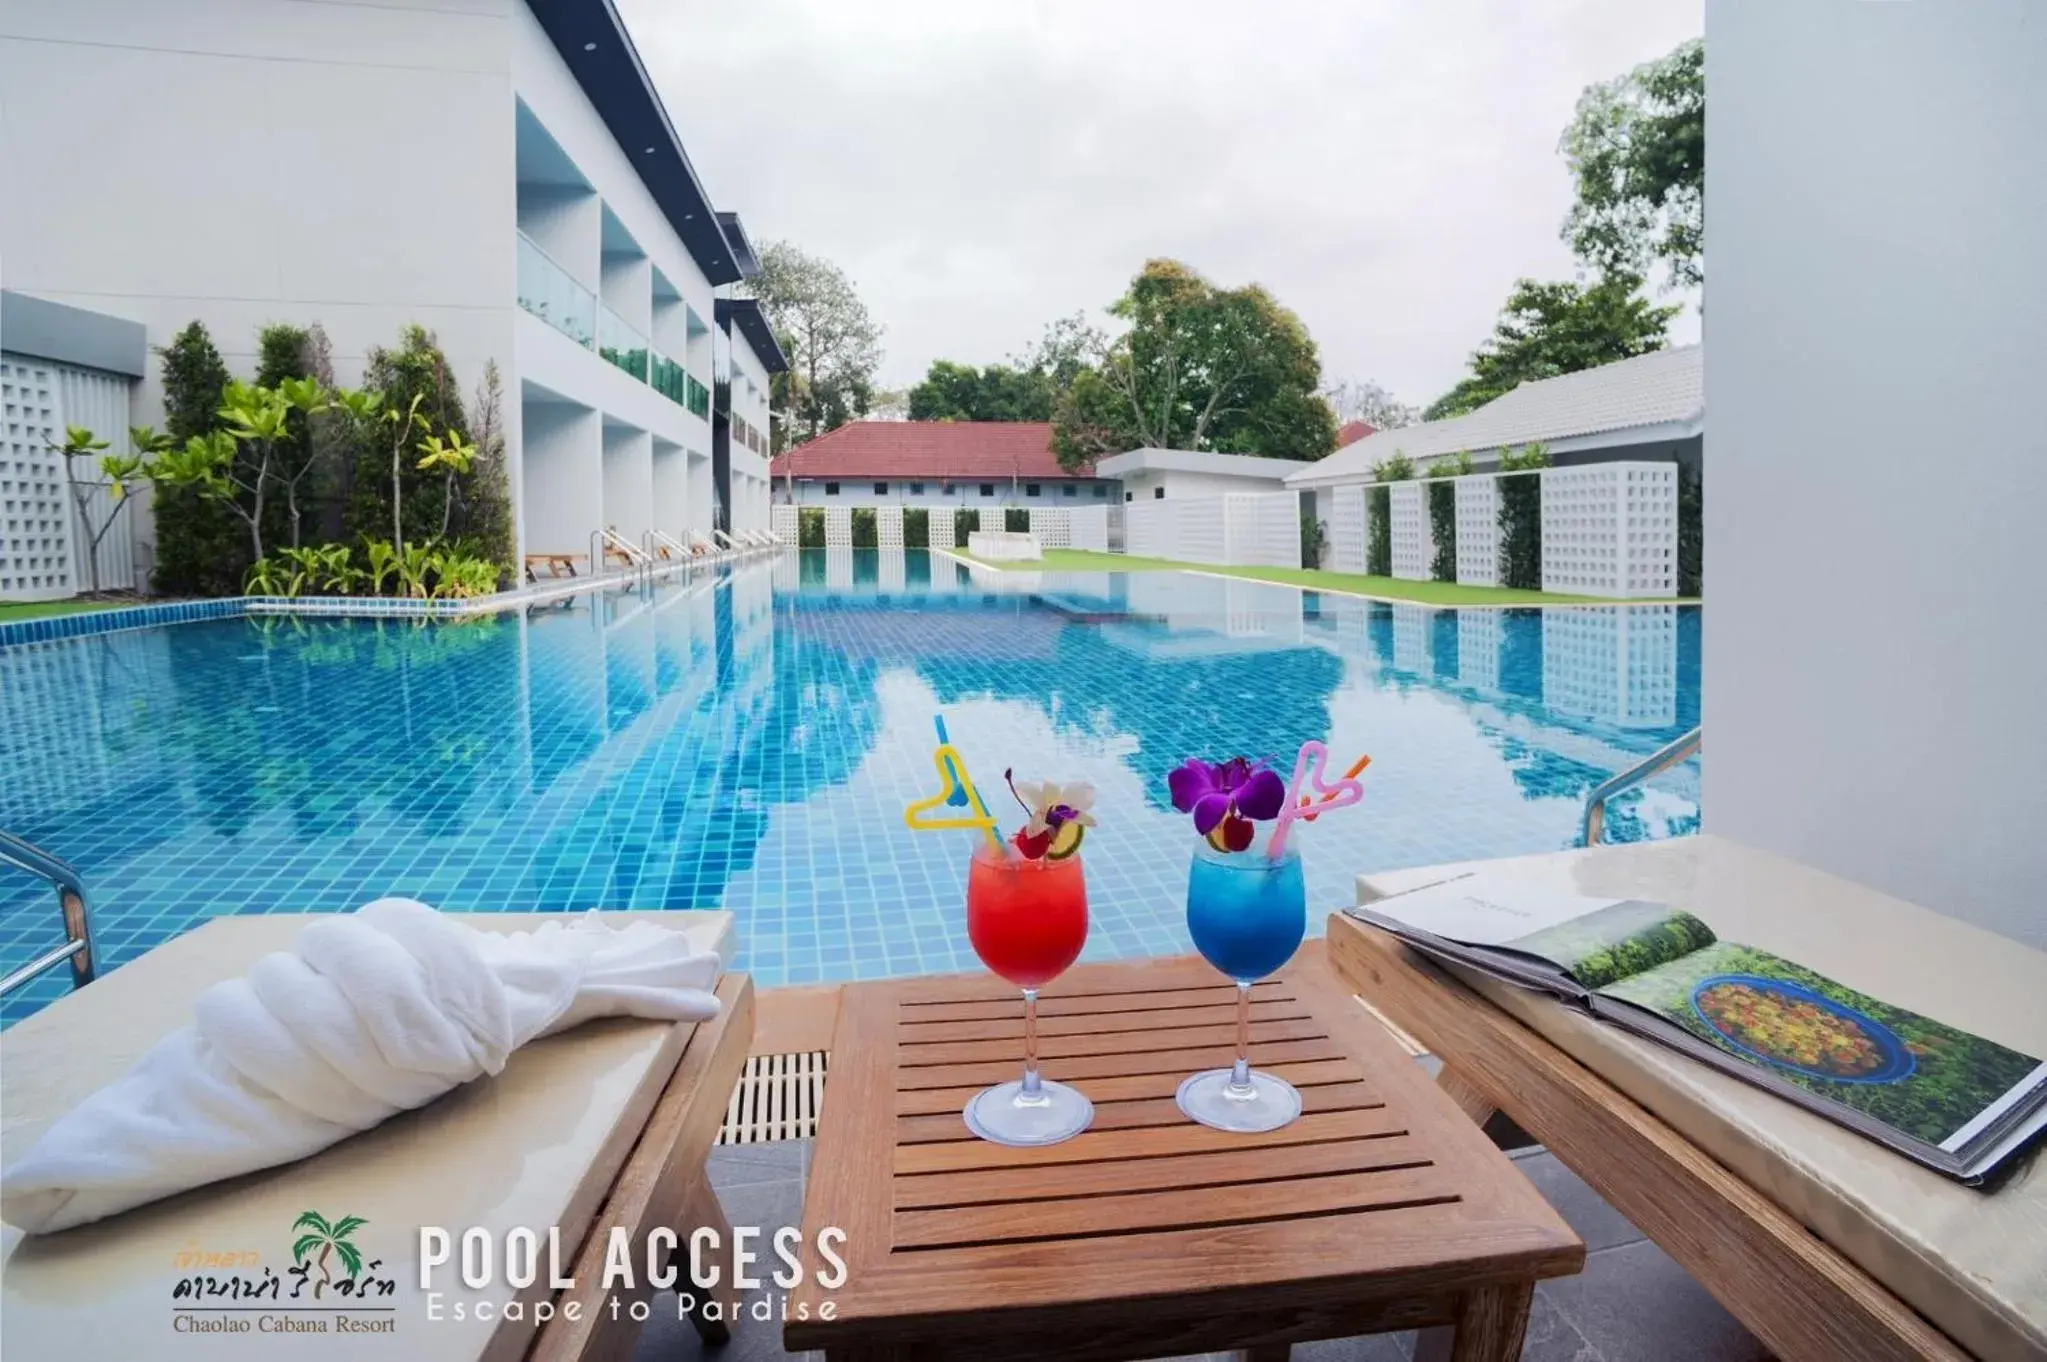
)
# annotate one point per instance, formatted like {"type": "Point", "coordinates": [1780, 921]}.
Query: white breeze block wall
{"type": "Point", "coordinates": [1051, 527]}
{"type": "Point", "coordinates": [1478, 530]}
{"type": "Point", "coordinates": [838, 527]}
{"type": "Point", "coordinates": [1145, 524]}
{"type": "Point", "coordinates": [784, 522]}
{"type": "Point", "coordinates": [1610, 529]}
{"type": "Point", "coordinates": [1413, 544]}
{"type": "Point", "coordinates": [1198, 531]}
{"type": "Point", "coordinates": [1089, 528]}
{"type": "Point", "coordinates": [1347, 529]}
{"type": "Point", "coordinates": [35, 521]}
{"type": "Point", "coordinates": [1261, 529]}
{"type": "Point", "coordinates": [888, 526]}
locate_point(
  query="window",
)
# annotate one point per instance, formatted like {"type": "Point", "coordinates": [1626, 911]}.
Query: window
{"type": "Point", "coordinates": [1130, 496]}
{"type": "Point", "coordinates": [831, 489]}
{"type": "Point", "coordinates": [1101, 491]}
{"type": "Point", "coordinates": [987, 489]}
{"type": "Point", "coordinates": [1069, 490]}
{"type": "Point", "coordinates": [945, 489]}
{"type": "Point", "coordinates": [1032, 489]}
{"type": "Point", "coordinates": [916, 489]}
{"type": "Point", "coordinates": [1158, 494]}
{"type": "Point", "coordinates": [881, 489]}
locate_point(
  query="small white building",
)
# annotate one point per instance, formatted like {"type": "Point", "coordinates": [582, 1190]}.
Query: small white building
{"type": "Point", "coordinates": [1182, 474]}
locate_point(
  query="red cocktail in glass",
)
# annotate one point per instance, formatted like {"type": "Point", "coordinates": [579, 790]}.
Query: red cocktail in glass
{"type": "Point", "coordinates": [1027, 920]}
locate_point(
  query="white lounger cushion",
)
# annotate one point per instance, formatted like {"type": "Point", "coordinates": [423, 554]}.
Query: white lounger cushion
{"type": "Point", "coordinates": [370, 1014]}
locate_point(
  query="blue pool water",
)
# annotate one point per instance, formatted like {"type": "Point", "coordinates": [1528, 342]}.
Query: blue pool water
{"type": "Point", "coordinates": [748, 740]}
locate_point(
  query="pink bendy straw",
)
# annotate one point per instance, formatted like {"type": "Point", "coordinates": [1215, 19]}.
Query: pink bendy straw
{"type": "Point", "coordinates": [1309, 764]}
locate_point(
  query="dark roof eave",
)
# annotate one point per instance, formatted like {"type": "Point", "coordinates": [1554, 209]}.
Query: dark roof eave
{"type": "Point", "coordinates": [753, 324]}
{"type": "Point", "coordinates": [594, 45]}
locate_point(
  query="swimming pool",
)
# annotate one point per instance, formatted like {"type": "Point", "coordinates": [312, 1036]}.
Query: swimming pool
{"type": "Point", "coordinates": [748, 740]}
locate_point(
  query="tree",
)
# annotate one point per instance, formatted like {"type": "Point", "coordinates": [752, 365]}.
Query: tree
{"type": "Point", "coordinates": [109, 472]}
{"type": "Point", "coordinates": [832, 344]}
{"type": "Point", "coordinates": [201, 549]}
{"type": "Point", "coordinates": [1199, 367]}
{"type": "Point", "coordinates": [1637, 145]}
{"type": "Point", "coordinates": [1368, 402]}
{"type": "Point", "coordinates": [1558, 328]}
{"type": "Point", "coordinates": [960, 392]}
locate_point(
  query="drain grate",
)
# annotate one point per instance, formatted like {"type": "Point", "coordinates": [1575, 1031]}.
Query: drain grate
{"type": "Point", "coordinates": [777, 1098]}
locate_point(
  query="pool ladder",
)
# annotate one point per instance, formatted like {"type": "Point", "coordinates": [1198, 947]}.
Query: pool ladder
{"type": "Point", "coordinates": [77, 947]}
{"type": "Point", "coordinates": [1593, 830]}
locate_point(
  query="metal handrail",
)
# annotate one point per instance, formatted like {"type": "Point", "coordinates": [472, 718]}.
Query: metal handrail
{"type": "Point", "coordinates": [1593, 828]}
{"type": "Point", "coordinates": [77, 947]}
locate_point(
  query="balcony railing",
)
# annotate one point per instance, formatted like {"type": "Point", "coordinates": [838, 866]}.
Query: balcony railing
{"type": "Point", "coordinates": [549, 292]}
{"type": "Point", "coordinates": [620, 344]}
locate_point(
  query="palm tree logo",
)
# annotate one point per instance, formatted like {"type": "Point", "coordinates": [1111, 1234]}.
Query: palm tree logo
{"type": "Point", "coordinates": [327, 1241]}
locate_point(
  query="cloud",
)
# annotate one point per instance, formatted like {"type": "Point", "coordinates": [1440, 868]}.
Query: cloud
{"type": "Point", "coordinates": [1386, 168]}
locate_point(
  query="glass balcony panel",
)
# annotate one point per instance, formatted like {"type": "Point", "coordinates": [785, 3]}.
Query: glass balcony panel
{"type": "Point", "coordinates": [548, 292]}
{"type": "Point", "coordinates": [620, 344]}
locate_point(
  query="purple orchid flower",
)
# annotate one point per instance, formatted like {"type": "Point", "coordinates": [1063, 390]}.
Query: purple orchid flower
{"type": "Point", "coordinates": [1212, 791]}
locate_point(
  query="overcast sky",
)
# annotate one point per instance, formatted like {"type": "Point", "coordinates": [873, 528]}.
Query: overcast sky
{"type": "Point", "coordinates": [979, 167]}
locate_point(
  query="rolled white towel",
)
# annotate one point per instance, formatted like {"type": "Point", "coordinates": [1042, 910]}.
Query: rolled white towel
{"type": "Point", "coordinates": [371, 1013]}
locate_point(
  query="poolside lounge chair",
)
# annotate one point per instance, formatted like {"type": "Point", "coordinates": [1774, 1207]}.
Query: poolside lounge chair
{"type": "Point", "coordinates": [557, 564]}
{"type": "Point", "coordinates": [725, 541]}
{"type": "Point", "coordinates": [1820, 1242]}
{"type": "Point", "coordinates": [605, 1125]}
{"type": "Point", "coordinates": [669, 548]}
{"type": "Point", "coordinates": [704, 547]}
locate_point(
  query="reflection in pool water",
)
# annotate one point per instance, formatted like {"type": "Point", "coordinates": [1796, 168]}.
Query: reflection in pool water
{"type": "Point", "coordinates": [748, 740]}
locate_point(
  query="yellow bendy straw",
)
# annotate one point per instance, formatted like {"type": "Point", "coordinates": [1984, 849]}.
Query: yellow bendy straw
{"type": "Point", "coordinates": [959, 792]}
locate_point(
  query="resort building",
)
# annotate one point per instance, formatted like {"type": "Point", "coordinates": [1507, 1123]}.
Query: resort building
{"type": "Point", "coordinates": [503, 175]}
{"type": "Point", "coordinates": [934, 463]}
{"type": "Point", "coordinates": [1180, 474]}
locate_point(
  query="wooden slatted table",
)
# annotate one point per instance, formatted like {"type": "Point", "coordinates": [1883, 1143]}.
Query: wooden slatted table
{"type": "Point", "coordinates": [1382, 1208]}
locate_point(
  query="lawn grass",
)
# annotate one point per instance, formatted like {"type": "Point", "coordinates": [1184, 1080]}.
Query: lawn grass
{"type": "Point", "coordinates": [35, 610]}
{"type": "Point", "coordinates": [1357, 583]}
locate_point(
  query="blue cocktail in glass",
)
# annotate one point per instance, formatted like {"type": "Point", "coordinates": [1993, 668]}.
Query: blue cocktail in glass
{"type": "Point", "coordinates": [1247, 913]}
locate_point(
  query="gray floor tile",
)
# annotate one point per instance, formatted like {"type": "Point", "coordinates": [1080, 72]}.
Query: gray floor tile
{"type": "Point", "coordinates": [1598, 1224]}
{"type": "Point", "coordinates": [1634, 1302]}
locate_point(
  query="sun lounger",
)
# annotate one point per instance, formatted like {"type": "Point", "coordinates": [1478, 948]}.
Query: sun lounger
{"type": "Point", "coordinates": [703, 547]}
{"type": "Point", "coordinates": [607, 1124]}
{"type": "Point", "coordinates": [1822, 1243]}
{"type": "Point", "coordinates": [725, 541]}
{"type": "Point", "coordinates": [557, 565]}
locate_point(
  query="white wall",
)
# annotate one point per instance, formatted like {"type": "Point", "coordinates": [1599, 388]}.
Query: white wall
{"type": "Point", "coordinates": [251, 161]}
{"type": "Point", "coordinates": [1874, 657]}
{"type": "Point", "coordinates": [967, 495]}
{"type": "Point", "coordinates": [1181, 486]}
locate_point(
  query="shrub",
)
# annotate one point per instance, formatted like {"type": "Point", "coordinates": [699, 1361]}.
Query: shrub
{"type": "Point", "coordinates": [1443, 514]}
{"type": "Point", "coordinates": [201, 548]}
{"type": "Point", "coordinates": [1691, 532]}
{"type": "Point", "coordinates": [416, 368]}
{"type": "Point", "coordinates": [810, 527]}
{"type": "Point", "coordinates": [964, 523]}
{"type": "Point", "coordinates": [865, 535]}
{"type": "Point", "coordinates": [1314, 537]}
{"type": "Point", "coordinates": [916, 528]}
{"type": "Point", "coordinates": [1016, 519]}
{"type": "Point", "coordinates": [1521, 517]}
{"type": "Point", "coordinates": [1379, 531]}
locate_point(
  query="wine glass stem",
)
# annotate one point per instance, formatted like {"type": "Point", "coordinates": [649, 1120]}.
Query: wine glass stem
{"type": "Point", "coordinates": [1240, 1072]}
{"type": "Point", "coordinates": [1030, 1078]}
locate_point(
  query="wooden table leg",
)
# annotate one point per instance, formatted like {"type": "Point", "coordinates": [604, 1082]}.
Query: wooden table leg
{"type": "Point", "coordinates": [1466, 1095]}
{"type": "Point", "coordinates": [1489, 1327]}
{"type": "Point", "coordinates": [705, 1213]}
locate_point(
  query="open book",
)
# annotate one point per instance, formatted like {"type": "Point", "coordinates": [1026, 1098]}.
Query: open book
{"type": "Point", "coordinates": [1954, 1102]}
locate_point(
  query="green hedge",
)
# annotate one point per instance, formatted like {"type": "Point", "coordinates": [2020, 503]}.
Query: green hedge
{"type": "Point", "coordinates": [1016, 519]}
{"type": "Point", "coordinates": [1379, 531]}
{"type": "Point", "coordinates": [1691, 532]}
{"type": "Point", "coordinates": [1314, 537]}
{"type": "Point", "coordinates": [810, 527]}
{"type": "Point", "coordinates": [1443, 530]}
{"type": "Point", "coordinates": [964, 523]}
{"type": "Point", "coordinates": [1521, 518]}
{"type": "Point", "coordinates": [916, 528]}
{"type": "Point", "coordinates": [864, 533]}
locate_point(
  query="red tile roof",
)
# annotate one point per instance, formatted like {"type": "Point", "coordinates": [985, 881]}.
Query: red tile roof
{"type": "Point", "coordinates": [1354, 431]}
{"type": "Point", "coordinates": [961, 450]}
